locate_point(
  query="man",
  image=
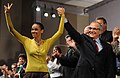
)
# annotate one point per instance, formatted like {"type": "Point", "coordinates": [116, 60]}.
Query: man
{"type": "Point", "coordinates": [92, 63]}
{"type": "Point", "coordinates": [106, 35]}
{"type": "Point", "coordinates": [70, 59]}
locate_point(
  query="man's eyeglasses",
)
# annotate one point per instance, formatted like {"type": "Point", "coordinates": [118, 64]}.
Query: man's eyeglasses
{"type": "Point", "coordinates": [93, 28]}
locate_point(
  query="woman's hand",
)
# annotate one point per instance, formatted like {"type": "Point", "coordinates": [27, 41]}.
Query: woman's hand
{"type": "Point", "coordinates": [116, 33]}
{"type": "Point", "coordinates": [60, 11]}
{"type": "Point", "coordinates": [7, 8]}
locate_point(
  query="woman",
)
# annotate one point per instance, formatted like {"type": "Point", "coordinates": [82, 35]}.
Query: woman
{"type": "Point", "coordinates": [36, 48]}
{"type": "Point", "coordinates": [115, 42]}
{"type": "Point", "coordinates": [116, 47]}
{"type": "Point", "coordinates": [54, 64]}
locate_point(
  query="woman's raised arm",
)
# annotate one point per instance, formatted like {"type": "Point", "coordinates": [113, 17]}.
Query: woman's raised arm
{"type": "Point", "coordinates": [7, 9]}
{"type": "Point", "coordinates": [10, 26]}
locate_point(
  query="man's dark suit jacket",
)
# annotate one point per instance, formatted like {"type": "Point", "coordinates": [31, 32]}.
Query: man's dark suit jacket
{"type": "Point", "coordinates": [107, 36]}
{"type": "Point", "coordinates": [22, 71]}
{"type": "Point", "coordinates": [69, 62]}
{"type": "Point", "coordinates": [92, 64]}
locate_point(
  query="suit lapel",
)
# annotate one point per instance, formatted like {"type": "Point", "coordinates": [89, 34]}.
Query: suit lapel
{"type": "Point", "coordinates": [90, 43]}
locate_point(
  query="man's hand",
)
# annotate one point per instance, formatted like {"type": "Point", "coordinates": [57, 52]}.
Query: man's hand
{"type": "Point", "coordinates": [60, 11]}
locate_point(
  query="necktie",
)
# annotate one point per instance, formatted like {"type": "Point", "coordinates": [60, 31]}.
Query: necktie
{"type": "Point", "coordinates": [96, 46]}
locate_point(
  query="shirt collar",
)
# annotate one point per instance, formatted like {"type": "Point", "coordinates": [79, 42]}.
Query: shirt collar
{"type": "Point", "coordinates": [97, 40]}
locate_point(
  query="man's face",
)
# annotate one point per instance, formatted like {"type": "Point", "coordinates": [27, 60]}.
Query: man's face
{"type": "Point", "coordinates": [14, 67]}
{"type": "Point", "coordinates": [70, 42]}
{"type": "Point", "coordinates": [94, 29]}
{"type": "Point", "coordinates": [104, 26]}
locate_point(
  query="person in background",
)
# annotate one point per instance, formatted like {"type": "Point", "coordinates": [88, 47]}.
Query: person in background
{"type": "Point", "coordinates": [106, 35]}
{"type": "Point", "coordinates": [1, 74]}
{"type": "Point", "coordinates": [14, 69]}
{"type": "Point", "coordinates": [115, 42]}
{"type": "Point", "coordinates": [6, 72]}
{"type": "Point", "coordinates": [21, 65]}
{"type": "Point", "coordinates": [70, 59]}
{"type": "Point", "coordinates": [36, 48]}
{"type": "Point", "coordinates": [54, 64]}
{"type": "Point", "coordinates": [116, 47]}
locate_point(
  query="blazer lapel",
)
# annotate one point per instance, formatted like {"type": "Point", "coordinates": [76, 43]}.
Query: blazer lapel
{"type": "Point", "coordinates": [90, 43]}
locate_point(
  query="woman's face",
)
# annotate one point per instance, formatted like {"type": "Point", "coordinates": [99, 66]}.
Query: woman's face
{"type": "Point", "coordinates": [36, 31]}
{"type": "Point", "coordinates": [55, 50]}
{"type": "Point", "coordinates": [21, 61]}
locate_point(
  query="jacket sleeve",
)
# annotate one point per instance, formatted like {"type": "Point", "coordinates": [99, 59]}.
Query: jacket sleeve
{"type": "Point", "coordinates": [70, 61]}
{"type": "Point", "coordinates": [75, 35]}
